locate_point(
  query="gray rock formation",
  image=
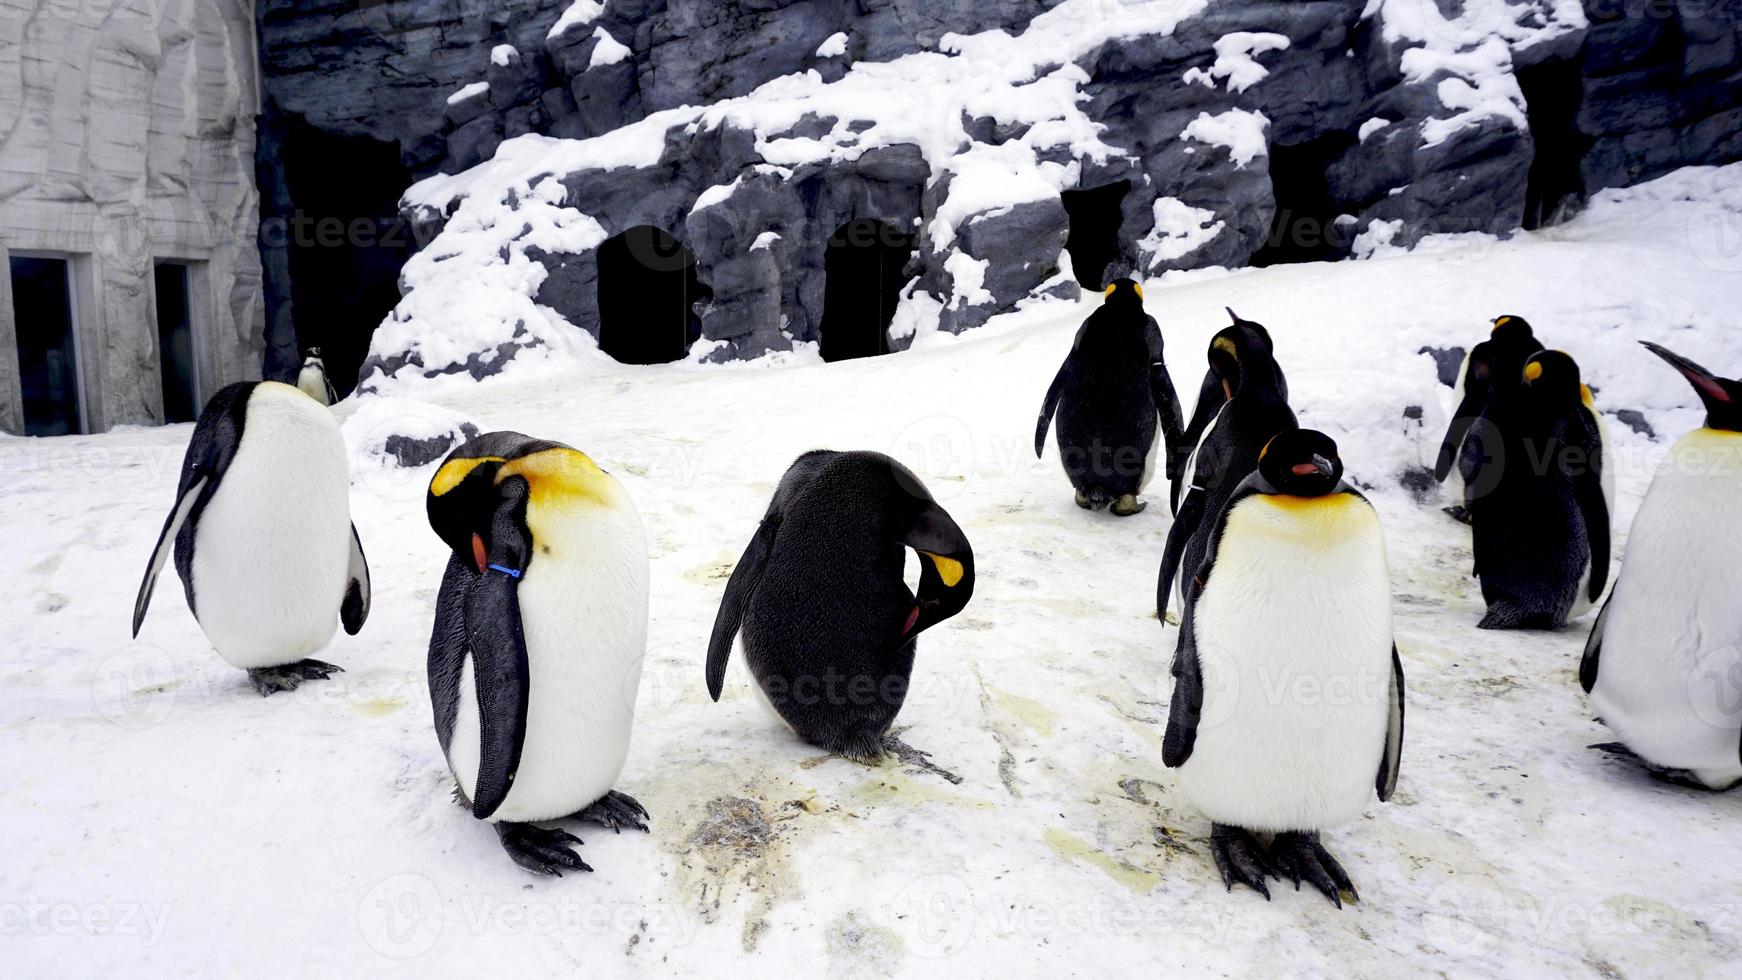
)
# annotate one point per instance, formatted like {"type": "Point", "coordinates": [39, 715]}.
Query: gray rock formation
{"type": "Point", "coordinates": [126, 139]}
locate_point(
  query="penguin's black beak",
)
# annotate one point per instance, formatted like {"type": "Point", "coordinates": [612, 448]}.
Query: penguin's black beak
{"type": "Point", "coordinates": [1715, 392]}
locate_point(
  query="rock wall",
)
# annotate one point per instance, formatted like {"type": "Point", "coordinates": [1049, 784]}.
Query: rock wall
{"type": "Point", "coordinates": [1247, 131]}
{"type": "Point", "coordinates": [126, 136]}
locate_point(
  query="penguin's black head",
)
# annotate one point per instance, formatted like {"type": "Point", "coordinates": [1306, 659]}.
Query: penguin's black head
{"type": "Point", "coordinates": [478, 498]}
{"type": "Point", "coordinates": [1721, 396]}
{"type": "Point", "coordinates": [1553, 375]}
{"type": "Point", "coordinates": [314, 353]}
{"type": "Point", "coordinates": [1512, 329]}
{"type": "Point", "coordinates": [946, 567]}
{"type": "Point", "coordinates": [1301, 463]}
{"type": "Point", "coordinates": [1243, 355]}
{"type": "Point", "coordinates": [1123, 293]}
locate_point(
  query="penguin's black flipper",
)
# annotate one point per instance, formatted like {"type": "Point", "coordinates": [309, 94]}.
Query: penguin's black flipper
{"type": "Point", "coordinates": [1166, 400]}
{"type": "Point", "coordinates": [1051, 403]}
{"type": "Point", "coordinates": [1588, 494]}
{"type": "Point", "coordinates": [1593, 650]}
{"type": "Point", "coordinates": [1211, 398]}
{"type": "Point", "coordinates": [332, 393]}
{"type": "Point", "coordinates": [355, 609]}
{"type": "Point", "coordinates": [1386, 782]}
{"type": "Point", "coordinates": [497, 640]}
{"type": "Point", "coordinates": [216, 437]}
{"type": "Point", "coordinates": [447, 649]}
{"type": "Point", "coordinates": [1185, 524]}
{"type": "Point", "coordinates": [1187, 704]}
{"type": "Point", "coordinates": [1462, 419]}
{"type": "Point", "coordinates": [739, 588]}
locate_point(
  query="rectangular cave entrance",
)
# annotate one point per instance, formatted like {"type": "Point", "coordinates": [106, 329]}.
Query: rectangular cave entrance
{"type": "Point", "coordinates": [863, 265]}
{"type": "Point", "coordinates": [175, 342]}
{"type": "Point", "coordinates": [346, 241]}
{"type": "Point", "coordinates": [48, 360]}
{"type": "Point", "coordinates": [1553, 90]}
{"type": "Point", "coordinates": [1093, 242]}
{"type": "Point", "coordinates": [1304, 228]}
{"type": "Point", "coordinates": [648, 288]}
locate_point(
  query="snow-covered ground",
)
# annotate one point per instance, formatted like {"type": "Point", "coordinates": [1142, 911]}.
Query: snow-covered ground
{"type": "Point", "coordinates": [161, 818]}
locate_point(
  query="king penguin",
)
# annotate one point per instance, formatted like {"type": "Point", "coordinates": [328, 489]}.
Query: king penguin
{"type": "Point", "coordinates": [540, 630]}
{"type": "Point", "coordinates": [262, 535]}
{"type": "Point", "coordinates": [312, 379]}
{"type": "Point", "coordinates": [1287, 706]}
{"type": "Point", "coordinates": [1254, 408]}
{"type": "Point", "coordinates": [1664, 658]}
{"type": "Point", "coordinates": [1213, 393]}
{"type": "Point", "coordinates": [1110, 393]}
{"type": "Point", "coordinates": [830, 628]}
{"type": "Point", "coordinates": [1540, 525]}
{"type": "Point", "coordinates": [1492, 365]}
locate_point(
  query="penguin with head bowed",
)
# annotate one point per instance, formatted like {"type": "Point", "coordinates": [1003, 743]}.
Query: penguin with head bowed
{"type": "Point", "coordinates": [1664, 658]}
{"type": "Point", "coordinates": [540, 630]}
{"type": "Point", "coordinates": [1494, 364]}
{"type": "Point", "coordinates": [1540, 522]}
{"type": "Point", "coordinates": [262, 535]}
{"type": "Point", "coordinates": [1294, 585]}
{"type": "Point", "coordinates": [1215, 391]}
{"type": "Point", "coordinates": [829, 626]}
{"type": "Point", "coordinates": [1110, 394]}
{"type": "Point", "coordinates": [1254, 409]}
{"type": "Point", "coordinates": [312, 379]}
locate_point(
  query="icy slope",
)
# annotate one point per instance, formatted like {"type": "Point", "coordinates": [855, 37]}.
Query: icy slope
{"type": "Point", "coordinates": [162, 818]}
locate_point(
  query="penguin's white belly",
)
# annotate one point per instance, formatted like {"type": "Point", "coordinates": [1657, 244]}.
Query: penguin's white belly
{"type": "Point", "coordinates": [272, 547]}
{"type": "Point", "coordinates": [583, 608]}
{"type": "Point", "coordinates": [313, 383]}
{"type": "Point", "coordinates": [1669, 676]}
{"type": "Point", "coordinates": [1294, 641]}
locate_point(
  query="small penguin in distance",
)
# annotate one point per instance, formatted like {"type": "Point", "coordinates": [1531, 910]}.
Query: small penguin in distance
{"type": "Point", "coordinates": [1491, 365]}
{"type": "Point", "coordinates": [1541, 531]}
{"type": "Point", "coordinates": [540, 631]}
{"type": "Point", "coordinates": [1665, 655]}
{"type": "Point", "coordinates": [262, 535]}
{"type": "Point", "coordinates": [1110, 394]}
{"type": "Point", "coordinates": [1295, 586]}
{"type": "Point", "coordinates": [1255, 409]}
{"type": "Point", "coordinates": [829, 625]}
{"type": "Point", "coordinates": [313, 380]}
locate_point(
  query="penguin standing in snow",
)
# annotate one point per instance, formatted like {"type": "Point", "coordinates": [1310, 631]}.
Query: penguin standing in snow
{"type": "Point", "coordinates": [1494, 364]}
{"type": "Point", "coordinates": [540, 630]}
{"type": "Point", "coordinates": [1287, 706]}
{"type": "Point", "coordinates": [1109, 394]}
{"type": "Point", "coordinates": [829, 626]}
{"type": "Point", "coordinates": [312, 379]}
{"type": "Point", "coordinates": [1541, 533]}
{"type": "Point", "coordinates": [1664, 658]}
{"type": "Point", "coordinates": [1254, 409]}
{"type": "Point", "coordinates": [262, 535]}
{"type": "Point", "coordinates": [1212, 395]}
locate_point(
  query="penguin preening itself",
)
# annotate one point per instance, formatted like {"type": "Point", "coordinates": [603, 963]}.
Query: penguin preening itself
{"type": "Point", "coordinates": [1287, 706]}
{"type": "Point", "coordinates": [1212, 395]}
{"type": "Point", "coordinates": [262, 535]}
{"type": "Point", "coordinates": [829, 626]}
{"type": "Point", "coordinates": [1664, 658]}
{"type": "Point", "coordinates": [1109, 394]}
{"type": "Point", "coordinates": [1254, 409]}
{"type": "Point", "coordinates": [1540, 523]}
{"type": "Point", "coordinates": [1494, 364]}
{"type": "Point", "coordinates": [540, 630]}
{"type": "Point", "coordinates": [313, 380]}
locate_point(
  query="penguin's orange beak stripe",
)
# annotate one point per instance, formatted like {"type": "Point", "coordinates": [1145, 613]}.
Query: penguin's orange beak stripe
{"type": "Point", "coordinates": [478, 555]}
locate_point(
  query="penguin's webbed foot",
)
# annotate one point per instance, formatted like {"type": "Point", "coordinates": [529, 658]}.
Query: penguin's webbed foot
{"type": "Point", "coordinates": [614, 811]}
{"type": "Point", "coordinates": [1084, 502]}
{"type": "Point", "coordinates": [287, 677]}
{"type": "Point", "coordinates": [1298, 854]}
{"type": "Point", "coordinates": [1239, 857]}
{"type": "Point", "coordinates": [540, 850]}
{"type": "Point", "coordinates": [1128, 505]}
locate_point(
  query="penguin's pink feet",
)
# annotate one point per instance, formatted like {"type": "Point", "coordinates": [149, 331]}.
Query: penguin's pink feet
{"type": "Point", "coordinates": [1298, 854]}
{"type": "Point", "coordinates": [1239, 857]}
{"type": "Point", "coordinates": [540, 850]}
{"type": "Point", "coordinates": [287, 677]}
{"type": "Point", "coordinates": [614, 811]}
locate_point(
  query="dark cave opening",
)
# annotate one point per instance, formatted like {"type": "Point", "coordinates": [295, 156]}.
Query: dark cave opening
{"type": "Point", "coordinates": [1304, 228]}
{"type": "Point", "coordinates": [345, 240]}
{"type": "Point", "coordinates": [1553, 90]}
{"type": "Point", "coordinates": [863, 268]}
{"type": "Point", "coordinates": [648, 287]}
{"type": "Point", "coordinates": [1093, 242]}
